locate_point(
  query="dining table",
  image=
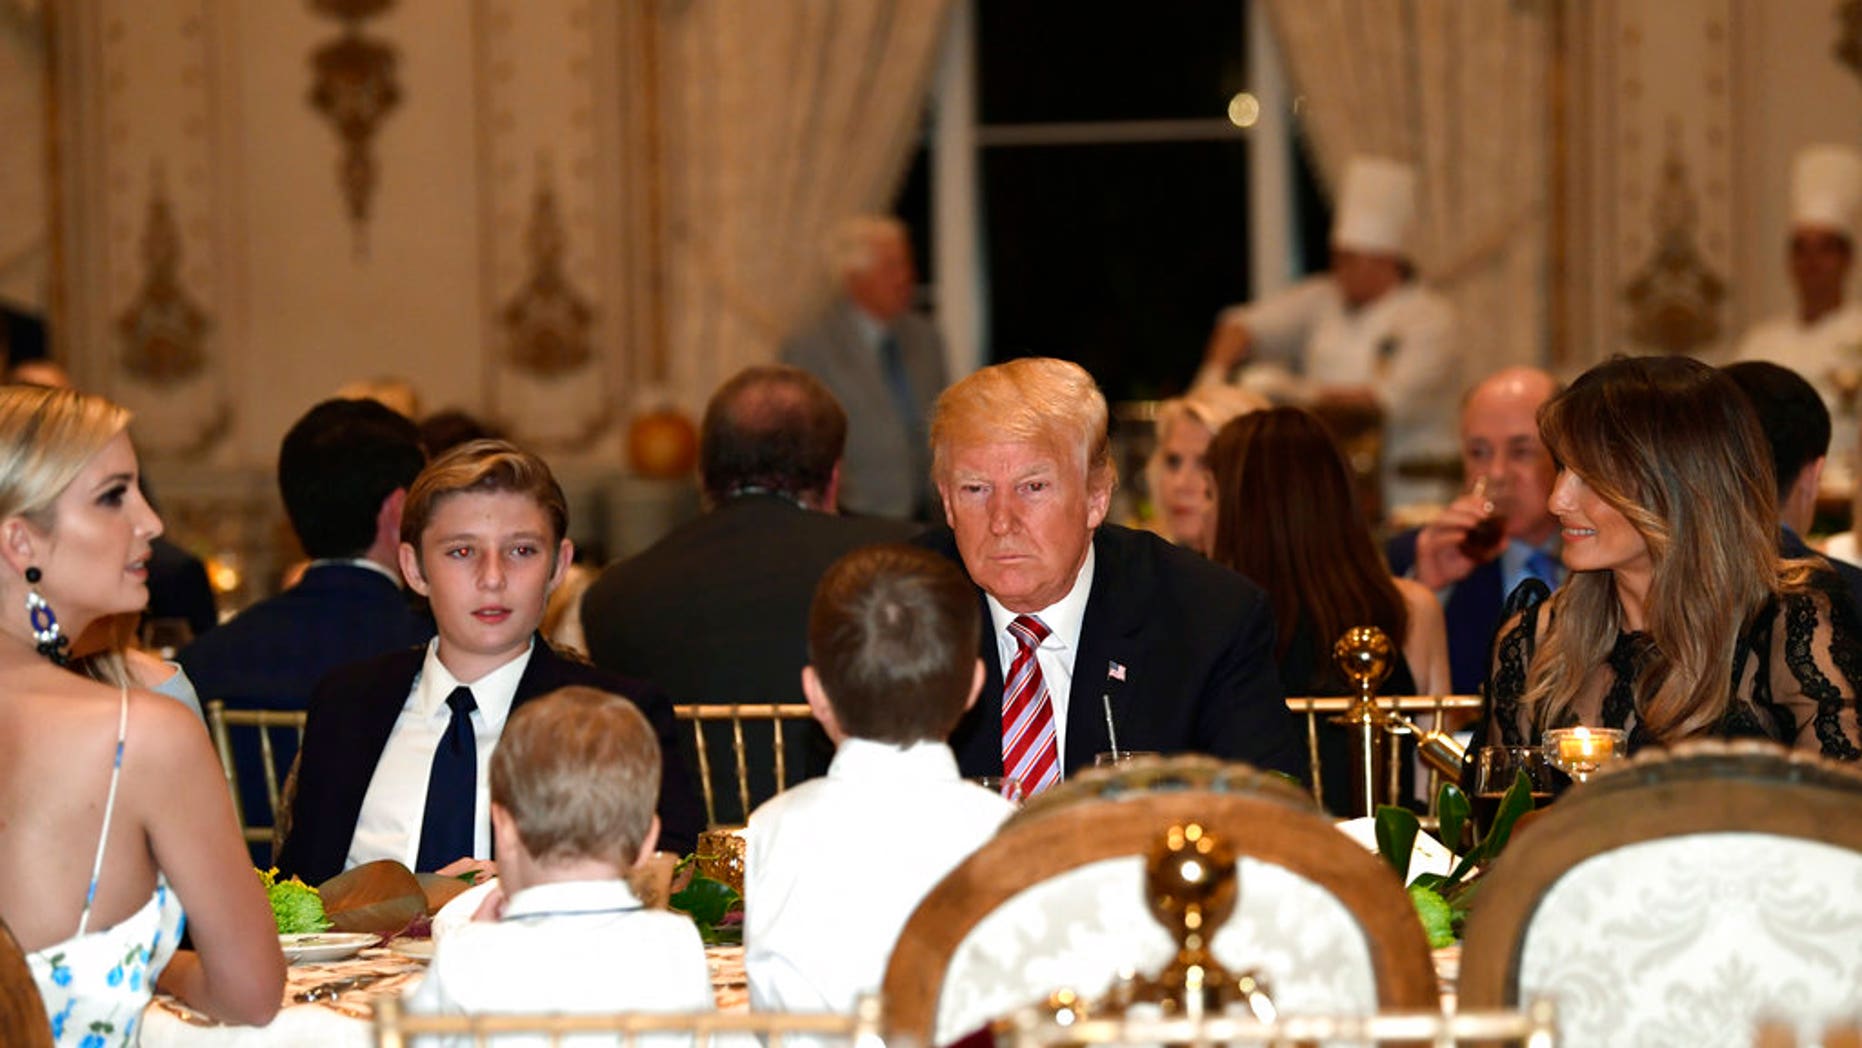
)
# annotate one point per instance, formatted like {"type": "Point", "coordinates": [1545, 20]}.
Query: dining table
{"type": "Point", "coordinates": [330, 1004]}
{"type": "Point", "coordinates": [341, 1009]}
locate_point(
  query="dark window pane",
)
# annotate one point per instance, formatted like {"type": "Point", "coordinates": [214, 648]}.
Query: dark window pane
{"type": "Point", "coordinates": [1077, 60]}
{"type": "Point", "coordinates": [1314, 210]}
{"type": "Point", "coordinates": [1115, 256]}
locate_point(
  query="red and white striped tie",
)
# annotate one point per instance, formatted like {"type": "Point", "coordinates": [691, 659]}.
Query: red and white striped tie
{"type": "Point", "coordinates": [1029, 752]}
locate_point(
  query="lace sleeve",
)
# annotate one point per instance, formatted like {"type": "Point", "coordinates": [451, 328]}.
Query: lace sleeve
{"type": "Point", "coordinates": [1814, 672]}
{"type": "Point", "coordinates": [1512, 654]}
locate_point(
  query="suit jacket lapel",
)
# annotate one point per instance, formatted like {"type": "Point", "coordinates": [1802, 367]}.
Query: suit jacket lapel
{"type": "Point", "coordinates": [1107, 661]}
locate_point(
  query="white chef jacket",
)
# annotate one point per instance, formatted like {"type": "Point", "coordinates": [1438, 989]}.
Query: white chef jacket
{"type": "Point", "coordinates": [1402, 346]}
{"type": "Point", "coordinates": [1814, 351]}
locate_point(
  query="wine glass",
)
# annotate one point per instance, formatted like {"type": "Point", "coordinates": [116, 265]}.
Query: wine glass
{"type": "Point", "coordinates": [1008, 787]}
{"type": "Point", "coordinates": [1580, 751]}
{"type": "Point", "coordinates": [1484, 540]}
{"type": "Point", "coordinates": [1495, 770]}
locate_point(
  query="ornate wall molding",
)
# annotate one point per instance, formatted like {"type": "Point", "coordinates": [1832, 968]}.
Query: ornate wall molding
{"type": "Point", "coordinates": [164, 331]}
{"type": "Point", "coordinates": [354, 88]}
{"type": "Point", "coordinates": [1675, 296]}
{"type": "Point", "coordinates": [551, 237]}
{"type": "Point", "coordinates": [547, 323]}
{"type": "Point", "coordinates": [1848, 46]}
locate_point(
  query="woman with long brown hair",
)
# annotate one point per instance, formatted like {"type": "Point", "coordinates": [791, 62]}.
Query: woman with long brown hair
{"type": "Point", "coordinates": [1679, 619]}
{"type": "Point", "coordinates": [1288, 518]}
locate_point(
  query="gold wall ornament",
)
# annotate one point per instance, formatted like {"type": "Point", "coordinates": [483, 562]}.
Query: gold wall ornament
{"type": "Point", "coordinates": [548, 322]}
{"type": "Point", "coordinates": [355, 90]}
{"type": "Point", "coordinates": [1848, 48]}
{"type": "Point", "coordinates": [1675, 297]}
{"type": "Point", "coordinates": [164, 332]}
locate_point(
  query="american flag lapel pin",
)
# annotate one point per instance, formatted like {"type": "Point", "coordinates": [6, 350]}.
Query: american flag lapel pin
{"type": "Point", "coordinates": [1115, 671]}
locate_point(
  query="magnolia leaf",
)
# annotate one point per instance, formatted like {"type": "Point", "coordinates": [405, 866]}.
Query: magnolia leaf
{"type": "Point", "coordinates": [1451, 813]}
{"type": "Point", "coordinates": [440, 890]}
{"type": "Point", "coordinates": [1396, 836]}
{"type": "Point", "coordinates": [380, 897]}
{"type": "Point", "coordinates": [706, 901]}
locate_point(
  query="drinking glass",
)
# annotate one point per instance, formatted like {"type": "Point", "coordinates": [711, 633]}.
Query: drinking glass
{"type": "Point", "coordinates": [1580, 751]}
{"type": "Point", "coordinates": [1008, 786]}
{"type": "Point", "coordinates": [1484, 540]}
{"type": "Point", "coordinates": [1494, 772]}
{"type": "Point", "coordinates": [1114, 758]}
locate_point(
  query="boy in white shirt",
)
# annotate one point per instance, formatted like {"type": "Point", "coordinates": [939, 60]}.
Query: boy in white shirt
{"type": "Point", "coordinates": [573, 785]}
{"type": "Point", "coordinates": [834, 866]}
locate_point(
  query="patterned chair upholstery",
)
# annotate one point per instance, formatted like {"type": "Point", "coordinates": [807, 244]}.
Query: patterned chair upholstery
{"type": "Point", "coordinates": [1057, 900]}
{"type": "Point", "coordinates": [1681, 898]}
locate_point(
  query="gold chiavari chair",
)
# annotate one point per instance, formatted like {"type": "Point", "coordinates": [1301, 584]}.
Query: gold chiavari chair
{"type": "Point", "coordinates": [396, 1028]}
{"type": "Point", "coordinates": [737, 714]}
{"type": "Point", "coordinates": [221, 721]}
{"type": "Point", "coordinates": [1532, 1028]}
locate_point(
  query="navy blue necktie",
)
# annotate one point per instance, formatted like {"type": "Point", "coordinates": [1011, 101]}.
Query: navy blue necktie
{"type": "Point", "coordinates": [452, 789]}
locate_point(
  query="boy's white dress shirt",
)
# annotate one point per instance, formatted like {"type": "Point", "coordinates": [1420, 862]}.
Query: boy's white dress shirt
{"type": "Point", "coordinates": [833, 868]}
{"type": "Point", "coordinates": [576, 947]}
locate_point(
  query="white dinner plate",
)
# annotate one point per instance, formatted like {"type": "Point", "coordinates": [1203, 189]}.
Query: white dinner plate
{"type": "Point", "coordinates": [324, 946]}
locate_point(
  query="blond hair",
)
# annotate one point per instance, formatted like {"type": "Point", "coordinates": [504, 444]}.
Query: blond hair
{"type": "Point", "coordinates": [1673, 446]}
{"type": "Point", "coordinates": [47, 437]}
{"type": "Point", "coordinates": [1210, 407]}
{"type": "Point", "coordinates": [484, 466]}
{"type": "Point", "coordinates": [1033, 400]}
{"type": "Point", "coordinates": [579, 771]}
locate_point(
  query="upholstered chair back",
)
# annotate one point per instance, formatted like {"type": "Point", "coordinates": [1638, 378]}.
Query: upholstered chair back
{"type": "Point", "coordinates": [1682, 898]}
{"type": "Point", "coordinates": [1057, 900]}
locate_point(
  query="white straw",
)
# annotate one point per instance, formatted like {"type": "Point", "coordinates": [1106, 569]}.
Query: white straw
{"type": "Point", "coordinates": [1105, 699]}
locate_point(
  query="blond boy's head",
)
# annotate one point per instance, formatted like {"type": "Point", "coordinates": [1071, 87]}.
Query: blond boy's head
{"type": "Point", "coordinates": [578, 772]}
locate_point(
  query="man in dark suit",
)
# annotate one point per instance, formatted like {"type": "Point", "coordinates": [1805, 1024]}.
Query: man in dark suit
{"type": "Point", "coordinates": [343, 470]}
{"type": "Point", "coordinates": [1097, 630]}
{"type": "Point", "coordinates": [884, 362]}
{"type": "Point", "coordinates": [1797, 426]}
{"type": "Point", "coordinates": [396, 749]}
{"type": "Point", "coordinates": [717, 611]}
{"type": "Point", "coordinates": [1499, 438]}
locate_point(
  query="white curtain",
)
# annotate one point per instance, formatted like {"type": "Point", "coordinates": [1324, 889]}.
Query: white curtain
{"type": "Point", "coordinates": [1456, 88]}
{"type": "Point", "coordinates": [776, 119]}
{"type": "Point", "coordinates": [24, 231]}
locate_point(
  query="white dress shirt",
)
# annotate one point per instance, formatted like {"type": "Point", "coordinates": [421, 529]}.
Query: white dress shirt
{"type": "Point", "coordinates": [1063, 619]}
{"type": "Point", "coordinates": [388, 826]}
{"type": "Point", "coordinates": [833, 867]}
{"type": "Point", "coordinates": [572, 947]}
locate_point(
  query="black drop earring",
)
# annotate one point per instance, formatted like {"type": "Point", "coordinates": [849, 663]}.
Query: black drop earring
{"type": "Point", "coordinates": [52, 640]}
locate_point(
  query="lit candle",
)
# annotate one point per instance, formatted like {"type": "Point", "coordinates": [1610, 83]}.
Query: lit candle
{"type": "Point", "coordinates": [1579, 746]}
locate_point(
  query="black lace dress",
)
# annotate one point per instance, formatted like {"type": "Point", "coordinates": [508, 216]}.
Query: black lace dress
{"type": "Point", "coordinates": [1795, 675]}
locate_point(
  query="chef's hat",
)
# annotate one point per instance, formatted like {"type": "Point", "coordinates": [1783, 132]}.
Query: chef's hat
{"type": "Point", "coordinates": [1376, 207]}
{"type": "Point", "coordinates": [1826, 187]}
